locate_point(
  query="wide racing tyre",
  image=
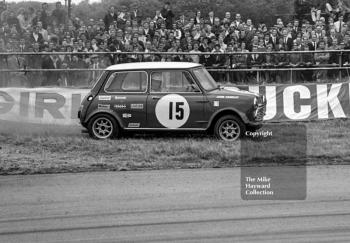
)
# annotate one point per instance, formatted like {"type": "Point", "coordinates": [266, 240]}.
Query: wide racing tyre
{"type": "Point", "coordinates": [103, 126]}
{"type": "Point", "coordinates": [229, 128]}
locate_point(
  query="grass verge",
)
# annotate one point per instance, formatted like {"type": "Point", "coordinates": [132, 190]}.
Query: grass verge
{"type": "Point", "coordinates": [32, 149]}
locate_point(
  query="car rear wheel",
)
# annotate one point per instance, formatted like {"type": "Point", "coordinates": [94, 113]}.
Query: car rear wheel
{"type": "Point", "coordinates": [229, 128]}
{"type": "Point", "coordinates": [103, 126]}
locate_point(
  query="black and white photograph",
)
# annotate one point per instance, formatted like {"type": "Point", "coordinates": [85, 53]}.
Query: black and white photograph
{"type": "Point", "coordinates": [174, 121]}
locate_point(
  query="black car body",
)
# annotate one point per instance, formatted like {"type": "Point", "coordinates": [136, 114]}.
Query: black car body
{"type": "Point", "coordinates": [166, 96]}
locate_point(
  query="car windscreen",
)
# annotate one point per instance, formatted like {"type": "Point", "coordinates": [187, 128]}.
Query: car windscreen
{"type": "Point", "coordinates": [205, 79]}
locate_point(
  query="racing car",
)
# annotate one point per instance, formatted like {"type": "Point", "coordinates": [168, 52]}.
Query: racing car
{"type": "Point", "coordinates": [168, 96]}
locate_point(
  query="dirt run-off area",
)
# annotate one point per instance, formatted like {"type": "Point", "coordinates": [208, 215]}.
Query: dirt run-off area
{"type": "Point", "coordinates": [32, 149]}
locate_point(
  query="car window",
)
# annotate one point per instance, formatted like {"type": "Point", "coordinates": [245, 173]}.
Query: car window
{"type": "Point", "coordinates": [127, 82]}
{"type": "Point", "coordinates": [173, 81]}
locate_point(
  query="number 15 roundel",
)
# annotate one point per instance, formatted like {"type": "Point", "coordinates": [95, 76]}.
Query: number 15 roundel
{"type": "Point", "coordinates": [172, 111]}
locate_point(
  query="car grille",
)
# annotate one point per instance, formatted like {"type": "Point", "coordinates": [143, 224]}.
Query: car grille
{"type": "Point", "coordinates": [260, 113]}
{"type": "Point", "coordinates": [260, 99]}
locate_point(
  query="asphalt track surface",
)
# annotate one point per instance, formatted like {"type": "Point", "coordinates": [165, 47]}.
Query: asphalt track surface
{"type": "Point", "coordinates": [175, 206]}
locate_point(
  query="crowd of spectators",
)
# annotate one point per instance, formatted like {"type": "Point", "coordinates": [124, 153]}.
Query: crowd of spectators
{"type": "Point", "coordinates": [317, 25]}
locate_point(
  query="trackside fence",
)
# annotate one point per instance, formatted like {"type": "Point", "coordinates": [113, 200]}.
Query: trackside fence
{"type": "Point", "coordinates": [28, 69]}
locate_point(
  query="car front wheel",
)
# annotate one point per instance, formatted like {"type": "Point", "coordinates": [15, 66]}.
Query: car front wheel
{"type": "Point", "coordinates": [103, 126]}
{"type": "Point", "coordinates": [229, 128]}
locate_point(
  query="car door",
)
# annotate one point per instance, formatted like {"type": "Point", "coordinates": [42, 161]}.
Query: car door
{"type": "Point", "coordinates": [127, 94]}
{"type": "Point", "coordinates": [174, 101]}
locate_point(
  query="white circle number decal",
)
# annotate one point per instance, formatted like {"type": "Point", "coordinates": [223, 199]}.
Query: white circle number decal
{"type": "Point", "coordinates": [172, 111]}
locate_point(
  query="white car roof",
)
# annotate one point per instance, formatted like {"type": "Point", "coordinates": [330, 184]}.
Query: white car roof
{"type": "Point", "coordinates": [152, 65]}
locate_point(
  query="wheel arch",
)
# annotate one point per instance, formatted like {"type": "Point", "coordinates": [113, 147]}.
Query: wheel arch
{"type": "Point", "coordinates": [107, 112]}
{"type": "Point", "coordinates": [216, 116]}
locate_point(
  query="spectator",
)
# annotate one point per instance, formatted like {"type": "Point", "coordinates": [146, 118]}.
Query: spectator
{"type": "Point", "coordinates": [15, 62]}
{"type": "Point", "coordinates": [168, 15]}
{"type": "Point", "coordinates": [23, 19]}
{"type": "Point", "coordinates": [23, 47]}
{"type": "Point", "coordinates": [219, 61]}
{"type": "Point", "coordinates": [238, 21]}
{"type": "Point", "coordinates": [110, 17]}
{"type": "Point", "coordinates": [302, 8]}
{"type": "Point", "coordinates": [133, 31]}
{"type": "Point", "coordinates": [339, 25]}
{"type": "Point", "coordinates": [295, 60]}
{"type": "Point", "coordinates": [36, 37]}
{"type": "Point", "coordinates": [307, 61]}
{"type": "Point", "coordinates": [136, 14]}
{"type": "Point", "coordinates": [322, 60]}
{"type": "Point", "coordinates": [287, 40]}
{"type": "Point", "coordinates": [270, 62]}
{"type": "Point", "coordinates": [282, 61]}
{"type": "Point", "coordinates": [95, 65]}
{"type": "Point", "coordinates": [123, 15]}
{"type": "Point", "coordinates": [58, 14]}
{"type": "Point", "coordinates": [79, 78]}
{"type": "Point", "coordinates": [3, 9]}
{"type": "Point", "coordinates": [207, 60]}
{"type": "Point", "coordinates": [316, 10]}
{"type": "Point", "coordinates": [44, 15]}
{"type": "Point", "coordinates": [254, 61]}
{"type": "Point", "coordinates": [195, 58]}
{"type": "Point", "coordinates": [12, 21]}
{"type": "Point", "coordinates": [31, 15]}
{"type": "Point", "coordinates": [51, 78]}
{"type": "Point", "coordinates": [240, 62]}
{"type": "Point", "coordinates": [43, 31]}
{"type": "Point", "coordinates": [229, 62]}
{"type": "Point", "coordinates": [314, 43]}
{"type": "Point", "coordinates": [34, 62]}
{"type": "Point", "coordinates": [3, 65]}
{"type": "Point", "coordinates": [210, 19]}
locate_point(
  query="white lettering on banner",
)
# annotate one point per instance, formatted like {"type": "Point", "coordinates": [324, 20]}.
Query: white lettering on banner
{"type": "Point", "coordinates": [324, 98]}
{"type": "Point", "coordinates": [289, 102]}
{"type": "Point", "coordinates": [41, 105]}
{"type": "Point", "coordinates": [60, 105]}
{"type": "Point", "coordinates": [271, 102]}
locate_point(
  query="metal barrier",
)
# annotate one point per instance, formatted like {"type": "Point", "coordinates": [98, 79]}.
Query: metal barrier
{"type": "Point", "coordinates": [258, 69]}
